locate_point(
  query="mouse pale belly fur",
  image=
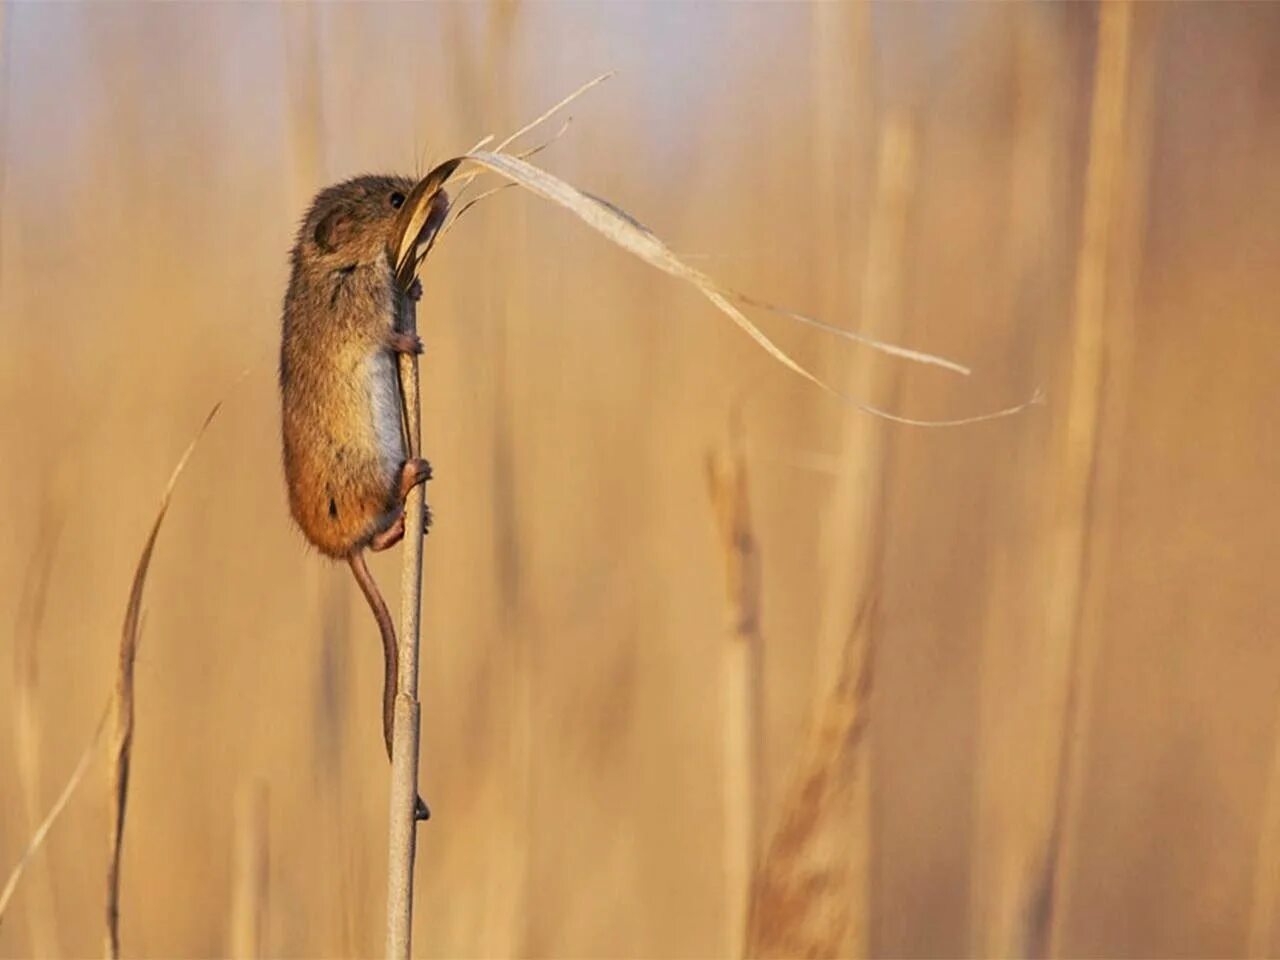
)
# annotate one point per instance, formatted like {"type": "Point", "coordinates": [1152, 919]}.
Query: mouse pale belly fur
{"type": "Point", "coordinates": [343, 479]}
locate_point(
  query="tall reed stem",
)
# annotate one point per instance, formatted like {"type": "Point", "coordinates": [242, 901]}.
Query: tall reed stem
{"type": "Point", "coordinates": [251, 873]}
{"type": "Point", "coordinates": [742, 683]}
{"type": "Point", "coordinates": [812, 893]}
{"type": "Point", "coordinates": [404, 742]}
{"type": "Point", "coordinates": [1071, 648]}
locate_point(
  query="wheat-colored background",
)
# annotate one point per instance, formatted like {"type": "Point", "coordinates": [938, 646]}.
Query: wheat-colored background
{"type": "Point", "coordinates": [922, 171]}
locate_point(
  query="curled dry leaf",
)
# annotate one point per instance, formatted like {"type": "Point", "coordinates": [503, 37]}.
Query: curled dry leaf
{"type": "Point", "coordinates": [410, 244]}
{"type": "Point", "coordinates": [417, 208]}
{"type": "Point", "coordinates": [623, 229]}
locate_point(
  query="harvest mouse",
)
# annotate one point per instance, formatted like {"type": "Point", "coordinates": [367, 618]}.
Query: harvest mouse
{"type": "Point", "coordinates": [344, 451]}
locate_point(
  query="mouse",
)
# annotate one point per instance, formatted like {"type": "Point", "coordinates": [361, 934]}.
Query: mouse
{"type": "Point", "coordinates": [345, 457]}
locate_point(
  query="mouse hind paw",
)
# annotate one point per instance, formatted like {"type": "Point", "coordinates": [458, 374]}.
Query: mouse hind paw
{"type": "Point", "coordinates": [389, 537]}
{"type": "Point", "coordinates": [412, 473]}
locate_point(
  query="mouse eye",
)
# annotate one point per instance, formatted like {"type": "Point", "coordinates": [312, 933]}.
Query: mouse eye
{"type": "Point", "coordinates": [397, 200]}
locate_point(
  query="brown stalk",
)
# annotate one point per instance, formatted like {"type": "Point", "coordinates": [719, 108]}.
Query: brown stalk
{"type": "Point", "coordinates": [6, 39]}
{"type": "Point", "coordinates": [32, 604]}
{"type": "Point", "coordinates": [407, 249]}
{"type": "Point", "coordinates": [408, 255]}
{"type": "Point", "coordinates": [305, 91]}
{"type": "Point", "coordinates": [507, 913]}
{"type": "Point", "coordinates": [6, 31]}
{"type": "Point", "coordinates": [1037, 204]}
{"type": "Point", "coordinates": [741, 678]}
{"type": "Point", "coordinates": [1266, 871]}
{"type": "Point", "coordinates": [624, 230]}
{"type": "Point", "coordinates": [812, 895]}
{"type": "Point", "coordinates": [468, 179]}
{"type": "Point", "coordinates": [1135, 89]}
{"type": "Point", "coordinates": [121, 745]}
{"type": "Point", "coordinates": [402, 842]}
{"type": "Point", "coordinates": [42, 831]}
{"type": "Point", "coordinates": [1072, 647]}
{"type": "Point", "coordinates": [249, 895]}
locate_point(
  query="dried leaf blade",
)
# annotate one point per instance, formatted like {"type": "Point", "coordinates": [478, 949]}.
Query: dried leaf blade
{"type": "Point", "coordinates": [121, 745]}
{"type": "Point", "coordinates": [625, 231]}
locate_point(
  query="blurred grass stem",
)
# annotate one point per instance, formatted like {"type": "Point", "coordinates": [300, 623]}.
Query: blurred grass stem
{"type": "Point", "coordinates": [1070, 648]}
{"type": "Point", "coordinates": [251, 872]}
{"type": "Point", "coordinates": [742, 684]}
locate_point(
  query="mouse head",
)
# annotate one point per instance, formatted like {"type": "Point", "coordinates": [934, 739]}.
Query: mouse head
{"type": "Point", "coordinates": [351, 222]}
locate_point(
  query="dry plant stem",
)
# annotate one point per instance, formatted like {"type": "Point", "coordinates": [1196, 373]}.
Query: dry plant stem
{"type": "Point", "coordinates": [121, 753]}
{"type": "Point", "coordinates": [301, 25]}
{"type": "Point", "coordinates": [1037, 203]}
{"type": "Point", "coordinates": [812, 896]}
{"type": "Point", "coordinates": [808, 899]}
{"type": "Point", "coordinates": [625, 231]}
{"type": "Point", "coordinates": [1133, 145]}
{"type": "Point", "coordinates": [1067, 664]}
{"type": "Point", "coordinates": [742, 700]}
{"type": "Point", "coordinates": [249, 895]}
{"type": "Point", "coordinates": [537, 121]}
{"type": "Point", "coordinates": [507, 913]}
{"type": "Point", "coordinates": [42, 831]}
{"type": "Point", "coordinates": [460, 208]}
{"type": "Point", "coordinates": [404, 736]}
{"type": "Point", "coordinates": [6, 31]}
{"type": "Point", "coordinates": [121, 747]}
{"type": "Point", "coordinates": [464, 182]}
{"type": "Point", "coordinates": [27, 731]}
{"type": "Point", "coordinates": [1266, 876]}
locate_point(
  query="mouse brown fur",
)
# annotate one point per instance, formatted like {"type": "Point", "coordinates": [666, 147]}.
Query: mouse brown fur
{"type": "Point", "coordinates": [344, 452]}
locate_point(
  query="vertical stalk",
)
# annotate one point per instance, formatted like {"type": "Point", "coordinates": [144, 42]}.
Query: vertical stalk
{"type": "Point", "coordinates": [404, 743]}
{"type": "Point", "coordinates": [741, 681]}
{"type": "Point", "coordinates": [812, 892]}
{"type": "Point", "coordinates": [1038, 203]}
{"type": "Point", "coordinates": [32, 604]}
{"type": "Point", "coordinates": [506, 916]}
{"type": "Point", "coordinates": [1071, 649]}
{"type": "Point", "coordinates": [6, 39]}
{"type": "Point", "coordinates": [251, 873]}
{"type": "Point", "coordinates": [121, 753]}
{"type": "Point", "coordinates": [1266, 871]}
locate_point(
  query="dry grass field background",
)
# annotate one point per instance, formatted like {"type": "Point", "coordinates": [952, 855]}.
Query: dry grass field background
{"type": "Point", "coordinates": [1019, 683]}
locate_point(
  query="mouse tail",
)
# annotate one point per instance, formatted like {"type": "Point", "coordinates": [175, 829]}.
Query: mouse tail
{"type": "Point", "coordinates": [369, 587]}
{"type": "Point", "coordinates": [390, 650]}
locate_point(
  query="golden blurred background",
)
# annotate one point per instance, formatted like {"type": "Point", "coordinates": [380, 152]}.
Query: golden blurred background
{"type": "Point", "coordinates": [1018, 684]}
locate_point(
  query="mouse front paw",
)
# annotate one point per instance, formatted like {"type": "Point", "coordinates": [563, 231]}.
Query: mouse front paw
{"type": "Point", "coordinates": [404, 342]}
{"type": "Point", "coordinates": [415, 290]}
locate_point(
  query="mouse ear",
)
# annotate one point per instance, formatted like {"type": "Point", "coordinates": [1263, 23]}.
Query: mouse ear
{"type": "Point", "coordinates": [332, 229]}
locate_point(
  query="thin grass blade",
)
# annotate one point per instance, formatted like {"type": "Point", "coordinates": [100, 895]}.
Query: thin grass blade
{"type": "Point", "coordinates": [42, 831]}
{"type": "Point", "coordinates": [121, 746]}
{"type": "Point", "coordinates": [624, 230]}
